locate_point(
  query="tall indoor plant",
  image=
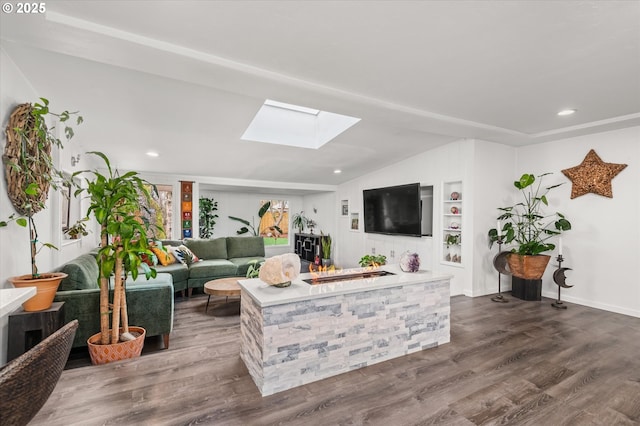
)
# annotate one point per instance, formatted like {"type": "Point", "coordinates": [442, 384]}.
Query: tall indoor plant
{"type": "Point", "coordinates": [115, 204]}
{"type": "Point", "coordinates": [30, 172]}
{"type": "Point", "coordinates": [530, 227]}
{"type": "Point", "coordinates": [208, 208]}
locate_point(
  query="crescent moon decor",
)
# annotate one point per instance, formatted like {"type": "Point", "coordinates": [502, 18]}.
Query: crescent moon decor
{"type": "Point", "coordinates": [561, 280]}
{"type": "Point", "coordinates": [500, 263]}
{"type": "Point", "coordinates": [559, 277]}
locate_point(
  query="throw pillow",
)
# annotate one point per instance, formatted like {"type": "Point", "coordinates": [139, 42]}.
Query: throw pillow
{"type": "Point", "coordinates": [165, 258]}
{"type": "Point", "coordinates": [184, 255]}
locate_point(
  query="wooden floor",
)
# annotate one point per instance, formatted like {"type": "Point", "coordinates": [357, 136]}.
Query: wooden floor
{"type": "Point", "coordinates": [521, 363]}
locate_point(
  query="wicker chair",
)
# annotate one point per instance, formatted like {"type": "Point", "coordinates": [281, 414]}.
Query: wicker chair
{"type": "Point", "coordinates": [27, 381]}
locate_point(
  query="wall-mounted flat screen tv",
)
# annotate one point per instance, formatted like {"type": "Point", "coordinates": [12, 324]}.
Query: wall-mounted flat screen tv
{"type": "Point", "coordinates": [394, 210]}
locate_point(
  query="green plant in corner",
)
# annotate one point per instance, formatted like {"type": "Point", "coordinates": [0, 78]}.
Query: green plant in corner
{"type": "Point", "coordinates": [207, 208]}
{"type": "Point", "coordinates": [526, 222]}
{"type": "Point", "coordinates": [299, 221]}
{"type": "Point", "coordinates": [372, 260]}
{"type": "Point", "coordinates": [326, 241]}
{"type": "Point", "coordinates": [115, 204]}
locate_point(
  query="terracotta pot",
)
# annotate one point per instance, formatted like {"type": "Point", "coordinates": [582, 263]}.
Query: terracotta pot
{"type": "Point", "coordinates": [104, 354]}
{"type": "Point", "coordinates": [46, 286]}
{"type": "Point", "coordinates": [528, 267]}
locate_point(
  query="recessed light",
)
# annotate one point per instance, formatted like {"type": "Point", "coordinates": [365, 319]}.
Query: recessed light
{"type": "Point", "coordinates": [337, 171]}
{"type": "Point", "coordinates": [567, 112]}
{"type": "Point", "coordinates": [153, 154]}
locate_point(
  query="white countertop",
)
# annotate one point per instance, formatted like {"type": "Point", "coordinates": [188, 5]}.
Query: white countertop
{"type": "Point", "coordinates": [267, 295]}
{"type": "Point", "coordinates": [12, 298]}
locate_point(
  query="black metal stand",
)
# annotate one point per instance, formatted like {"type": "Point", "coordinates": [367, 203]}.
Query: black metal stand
{"type": "Point", "coordinates": [499, 298]}
{"type": "Point", "coordinates": [559, 279]}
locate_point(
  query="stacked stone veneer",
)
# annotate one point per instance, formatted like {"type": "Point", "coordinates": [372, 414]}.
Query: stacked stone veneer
{"type": "Point", "coordinates": [288, 345]}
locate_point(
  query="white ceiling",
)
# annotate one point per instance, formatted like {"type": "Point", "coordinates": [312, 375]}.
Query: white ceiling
{"type": "Point", "coordinates": [185, 78]}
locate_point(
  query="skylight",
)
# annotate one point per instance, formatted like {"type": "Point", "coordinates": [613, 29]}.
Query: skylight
{"type": "Point", "coordinates": [293, 125]}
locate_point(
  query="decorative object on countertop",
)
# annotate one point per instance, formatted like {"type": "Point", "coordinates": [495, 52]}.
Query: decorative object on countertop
{"type": "Point", "coordinates": [372, 260]}
{"type": "Point", "coordinates": [409, 262]}
{"type": "Point", "coordinates": [560, 279]}
{"type": "Point", "coordinates": [279, 271]}
{"type": "Point", "coordinates": [592, 176]}
{"type": "Point", "coordinates": [30, 172]}
{"type": "Point", "coordinates": [530, 227]}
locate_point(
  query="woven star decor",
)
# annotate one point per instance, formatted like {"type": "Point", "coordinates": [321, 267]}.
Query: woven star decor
{"type": "Point", "coordinates": [592, 176]}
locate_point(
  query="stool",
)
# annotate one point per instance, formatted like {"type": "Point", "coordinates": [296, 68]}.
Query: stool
{"type": "Point", "coordinates": [27, 329]}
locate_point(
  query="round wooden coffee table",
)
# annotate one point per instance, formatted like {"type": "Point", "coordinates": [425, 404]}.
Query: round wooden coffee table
{"type": "Point", "coordinates": [222, 287]}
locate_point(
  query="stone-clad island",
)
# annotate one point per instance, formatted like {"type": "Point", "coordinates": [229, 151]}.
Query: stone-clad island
{"type": "Point", "coordinates": [307, 332]}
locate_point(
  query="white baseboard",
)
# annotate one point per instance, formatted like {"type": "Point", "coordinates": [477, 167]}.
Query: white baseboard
{"type": "Point", "coordinates": [592, 304]}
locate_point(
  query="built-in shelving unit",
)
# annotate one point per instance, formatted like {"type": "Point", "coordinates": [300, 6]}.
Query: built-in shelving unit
{"type": "Point", "coordinates": [452, 232]}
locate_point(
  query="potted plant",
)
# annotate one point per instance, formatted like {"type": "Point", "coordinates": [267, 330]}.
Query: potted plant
{"type": "Point", "coordinates": [77, 229]}
{"type": "Point", "coordinates": [30, 172]}
{"type": "Point", "coordinates": [263, 210]}
{"type": "Point", "coordinates": [207, 207]}
{"type": "Point", "coordinates": [299, 221]}
{"type": "Point", "coordinates": [325, 242]}
{"type": "Point", "coordinates": [530, 228]}
{"type": "Point", "coordinates": [115, 204]}
{"type": "Point", "coordinates": [372, 260]}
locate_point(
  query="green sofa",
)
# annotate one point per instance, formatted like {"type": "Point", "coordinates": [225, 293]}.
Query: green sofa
{"type": "Point", "coordinates": [149, 302]}
{"type": "Point", "coordinates": [219, 258]}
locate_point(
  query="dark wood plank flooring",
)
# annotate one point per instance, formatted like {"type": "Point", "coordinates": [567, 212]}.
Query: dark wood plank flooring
{"type": "Point", "coordinates": [521, 363]}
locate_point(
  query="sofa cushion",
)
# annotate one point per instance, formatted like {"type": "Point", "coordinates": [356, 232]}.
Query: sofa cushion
{"type": "Point", "coordinates": [207, 249]}
{"type": "Point", "coordinates": [212, 268]}
{"type": "Point", "coordinates": [82, 273]}
{"type": "Point", "coordinates": [172, 243]}
{"type": "Point", "coordinates": [179, 271]}
{"type": "Point", "coordinates": [164, 256]}
{"type": "Point", "coordinates": [245, 247]}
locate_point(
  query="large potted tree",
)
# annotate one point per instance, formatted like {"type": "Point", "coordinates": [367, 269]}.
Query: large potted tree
{"type": "Point", "coordinates": [30, 173]}
{"type": "Point", "coordinates": [530, 227]}
{"type": "Point", "coordinates": [115, 204]}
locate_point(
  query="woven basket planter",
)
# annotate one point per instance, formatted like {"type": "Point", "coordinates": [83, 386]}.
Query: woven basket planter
{"type": "Point", "coordinates": [104, 354]}
{"type": "Point", "coordinates": [46, 286]}
{"type": "Point", "coordinates": [528, 267]}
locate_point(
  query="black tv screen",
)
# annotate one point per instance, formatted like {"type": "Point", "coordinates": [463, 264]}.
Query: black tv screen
{"type": "Point", "coordinates": [394, 210]}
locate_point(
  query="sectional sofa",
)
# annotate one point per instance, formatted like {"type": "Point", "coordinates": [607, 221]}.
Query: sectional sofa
{"type": "Point", "coordinates": [150, 302]}
{"type": "Point", "coordinates": [218, 258]}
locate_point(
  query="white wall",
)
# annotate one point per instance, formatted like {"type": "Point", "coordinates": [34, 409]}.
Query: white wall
{"type": "Point", "coordinates": [493, 177]}
{"type": "Point", "coordinates": [602, 246]}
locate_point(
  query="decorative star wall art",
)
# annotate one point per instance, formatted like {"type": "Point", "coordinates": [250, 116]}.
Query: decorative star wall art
{"type": "Point", "coordinates": [592, 176]}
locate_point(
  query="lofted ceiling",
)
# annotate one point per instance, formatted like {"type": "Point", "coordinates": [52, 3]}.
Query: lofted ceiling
{"type": "Point", "coordinates": [185, 78]}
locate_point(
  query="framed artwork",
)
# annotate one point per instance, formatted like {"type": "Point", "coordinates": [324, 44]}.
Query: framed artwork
{"type": "Point", "coordinates": [355, 221]}
{"type": "Point", "coordinates": [344, 205]}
